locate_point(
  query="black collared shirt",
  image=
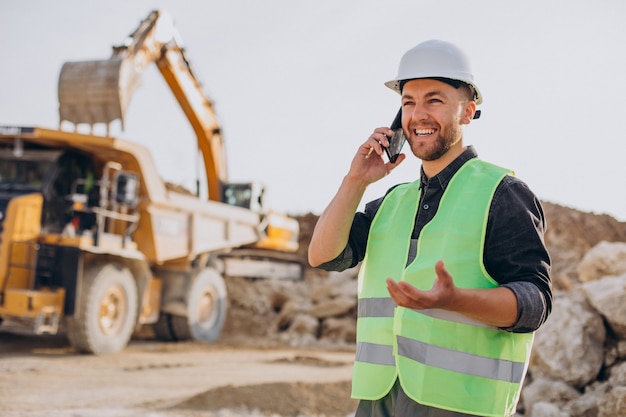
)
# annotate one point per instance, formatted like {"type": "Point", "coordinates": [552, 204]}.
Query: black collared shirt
{"type": "Point", "coordinates": [515, 254]}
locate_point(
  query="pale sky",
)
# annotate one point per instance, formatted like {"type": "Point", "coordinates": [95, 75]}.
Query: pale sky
{"type": "Point", "coordinates": [298, 86]}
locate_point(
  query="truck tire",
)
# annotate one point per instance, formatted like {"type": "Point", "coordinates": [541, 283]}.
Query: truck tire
{"type": "Point", "coordinates": [206, 305]}
{"type": "Point", "coordinates": [106, 312]}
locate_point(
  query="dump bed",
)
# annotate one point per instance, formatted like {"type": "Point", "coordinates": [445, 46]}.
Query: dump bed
{"type": "Point", "coordinates": [172, 224]}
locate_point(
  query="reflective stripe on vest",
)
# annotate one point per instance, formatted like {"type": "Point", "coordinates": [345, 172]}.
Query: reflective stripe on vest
{"type": "Point", "coordinates": [443, 359]}
{"type": "Point", "coordinates": [384, 307]}
{"type": "Point", "coordinates": [461, 362]}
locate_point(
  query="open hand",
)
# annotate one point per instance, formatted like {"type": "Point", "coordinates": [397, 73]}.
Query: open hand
{"type": "Point", "coordinates": [441, 295]}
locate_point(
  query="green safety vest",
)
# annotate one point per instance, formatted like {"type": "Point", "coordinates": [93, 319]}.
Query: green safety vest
{"type": "Point", "coordinates": [443, 359]}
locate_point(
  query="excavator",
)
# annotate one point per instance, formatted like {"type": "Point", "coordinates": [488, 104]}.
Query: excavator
{"type": "Point", "coordinates": [95, 244]}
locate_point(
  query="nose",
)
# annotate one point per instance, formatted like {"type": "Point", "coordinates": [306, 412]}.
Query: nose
{"type": "Point", "coordinates": [419, 112]}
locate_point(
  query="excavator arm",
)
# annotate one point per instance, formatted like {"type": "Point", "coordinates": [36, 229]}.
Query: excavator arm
{"type": "Point", "coordinates": [92, 92]}
{"type": "Point", "coordinates": [199, 111]}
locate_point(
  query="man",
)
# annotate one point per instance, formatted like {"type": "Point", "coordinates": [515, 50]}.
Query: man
{"type": "Point", "coordinates": [455, 275]}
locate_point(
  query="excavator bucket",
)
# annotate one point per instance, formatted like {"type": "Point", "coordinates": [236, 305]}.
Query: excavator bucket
{"type": "Point", "coordinates": [96, 91]}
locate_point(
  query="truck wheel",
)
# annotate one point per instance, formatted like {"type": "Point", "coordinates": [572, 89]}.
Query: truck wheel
{"type": "Point", "coordinates": [206, 305]}
{"type": "Point", "coordinates": [106, 313]}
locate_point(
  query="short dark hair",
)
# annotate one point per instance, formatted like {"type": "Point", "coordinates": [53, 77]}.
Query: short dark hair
{"type": "Point", "coordinates": [454, 83]}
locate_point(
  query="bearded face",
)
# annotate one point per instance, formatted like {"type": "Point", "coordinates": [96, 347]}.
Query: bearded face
{"type": "Point", "coordinates": [433, 113]}
{"type": "Point", "coordinates": [442, 139]}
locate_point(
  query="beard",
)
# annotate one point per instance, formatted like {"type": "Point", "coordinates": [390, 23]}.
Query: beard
{"type": "Point", "coordinates": [446, 138]}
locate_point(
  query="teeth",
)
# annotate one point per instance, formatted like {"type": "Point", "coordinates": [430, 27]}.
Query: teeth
{"type": "Point", "coordinates": [423, 132]}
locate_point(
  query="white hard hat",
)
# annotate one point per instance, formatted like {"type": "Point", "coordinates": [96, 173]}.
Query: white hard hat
{"type": "Point", "coordinates": [435, 59]}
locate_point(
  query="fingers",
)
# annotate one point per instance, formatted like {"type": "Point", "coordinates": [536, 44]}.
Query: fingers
{"type": "Point", "coordinates": [439, 296]}
{"type": "Point", "coordinates": [400, 292]}
{"type": "Point", "coordinates": [442, 273]}
{"type": "Point", "coordinates": [380, 135]}
{"type": "Point", "coordinates": [368, 165]}
{"type": "Point", "coordinates": [376, 142]}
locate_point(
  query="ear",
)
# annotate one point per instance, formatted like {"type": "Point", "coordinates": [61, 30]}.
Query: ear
{"type": "Point", "coordinates": [468, 112]}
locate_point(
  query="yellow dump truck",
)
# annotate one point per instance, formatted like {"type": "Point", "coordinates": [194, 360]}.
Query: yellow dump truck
{"type": "Point", "coordinates": [94, 242]}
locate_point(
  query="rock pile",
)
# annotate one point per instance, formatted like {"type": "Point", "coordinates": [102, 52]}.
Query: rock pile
{"type": "Point", "coordinates": [578, 366]}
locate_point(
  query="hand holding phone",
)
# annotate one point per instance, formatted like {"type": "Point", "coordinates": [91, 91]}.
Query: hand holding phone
{"type": "Point", "coordinates": [397, 140]}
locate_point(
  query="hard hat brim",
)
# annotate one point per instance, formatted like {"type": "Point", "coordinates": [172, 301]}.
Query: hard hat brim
{"type": "Point", "coordinates": [395, 86]}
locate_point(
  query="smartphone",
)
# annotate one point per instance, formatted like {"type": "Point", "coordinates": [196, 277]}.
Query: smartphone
{"type": "Point", "coordinates": [396, 142]}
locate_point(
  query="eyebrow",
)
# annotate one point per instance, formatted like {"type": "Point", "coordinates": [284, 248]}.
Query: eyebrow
{"type": "Point", "coordinates": [427, 95]}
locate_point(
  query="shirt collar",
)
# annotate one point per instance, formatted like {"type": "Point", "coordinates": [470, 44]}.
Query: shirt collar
{"type": "Point", "coordinates": [443, 178]}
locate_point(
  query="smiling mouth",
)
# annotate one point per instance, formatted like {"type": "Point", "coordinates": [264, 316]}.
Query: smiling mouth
{"type": "Point", "coordinates": [424, 132]}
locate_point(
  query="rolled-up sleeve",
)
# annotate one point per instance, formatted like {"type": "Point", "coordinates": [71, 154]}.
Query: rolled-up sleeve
{"type": "Point", "coordinates": [515, 252]}
{"type": "Point", "coordinates": [354, 252]}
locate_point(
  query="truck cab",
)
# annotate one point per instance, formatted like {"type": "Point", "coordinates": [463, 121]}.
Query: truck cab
{"type": "Point", "coordinates": [51, 173]}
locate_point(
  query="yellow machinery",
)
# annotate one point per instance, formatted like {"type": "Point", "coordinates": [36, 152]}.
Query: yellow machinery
{"type": "Point", "coordinates": [91, 239]}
